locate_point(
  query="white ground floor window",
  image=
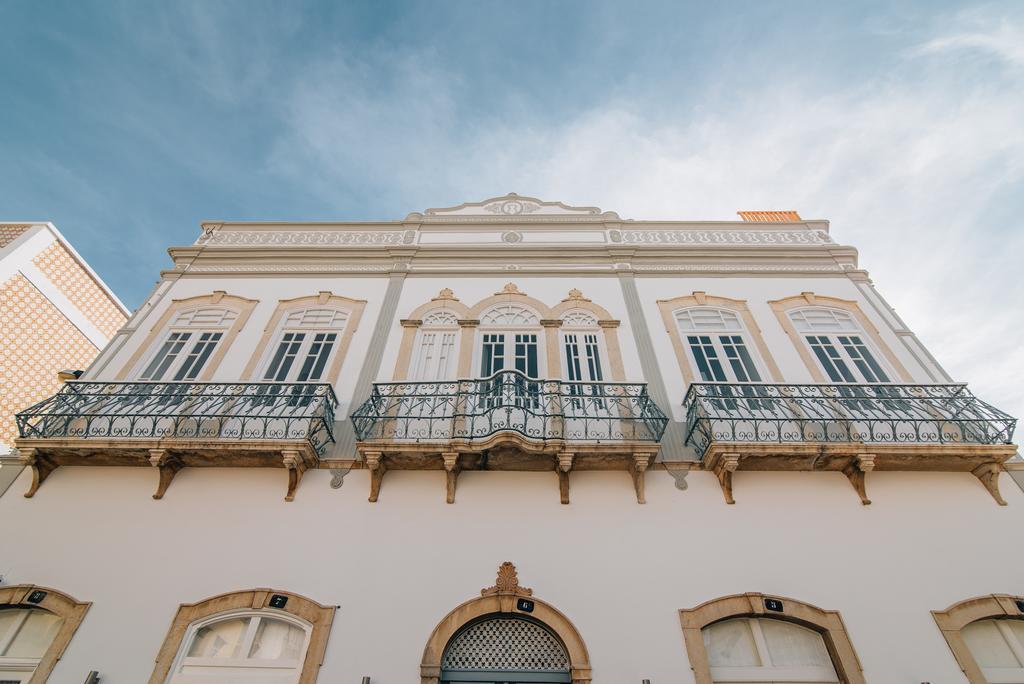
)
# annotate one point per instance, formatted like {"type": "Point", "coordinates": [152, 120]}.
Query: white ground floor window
{"type": "Point", "coordinates": [767, 651]}
{"type": "Point", "coordinates": [998, 648]}
{"type": "Point", "coordinates": [243, 647]}
{"type": "Point", "coordinates": [25, 635]}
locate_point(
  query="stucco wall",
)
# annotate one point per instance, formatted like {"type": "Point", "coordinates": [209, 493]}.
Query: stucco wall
{"type": "Point", "coordinates": [618, 570]}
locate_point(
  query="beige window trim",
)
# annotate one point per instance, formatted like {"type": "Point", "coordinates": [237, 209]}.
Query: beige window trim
{"type": "Point", "coordinates": [782, 307]}
{"type": "Point", "coordinates": [669, 307]}
{"type": "Point", "coordinates": [317, 615]}
{"type": "Point", "coordinates": [354, 307]}
{"type": "Point", "coordinates": [502, 599]}
{"type": "Point", "coordinates": [828, 623]}
{"type": "Point", "coordinates": [959, 615]}
{"type": "Point", "coordinates": [550, 321]}
{"type": "Point", "coordinates": [243, 306]}
{"type": "Point", "coordinates": [444, 301]}
{"type": "Point", "coordinates": [56, 602]}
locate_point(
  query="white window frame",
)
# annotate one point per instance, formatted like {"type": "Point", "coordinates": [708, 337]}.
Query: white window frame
{"type": "Point", "coordinates": [805, 328]}
{"type": "Point", "coordinates": [237, 667]}
{"type": "Point", "coordinates": [441, 326]}
{"type": "Point", "coordinates": [766, 674]}
{"type": "Point", "coordinates": [19, 668]}
{"type": "Point", "coordinates": [510, 331]}
{"type": "Point", "coordinates": [715, 335]}
{"type": "Point", "coordinates": [1002, 675]}
{"type": "Point", "coordinates": [581, 332]}
{"type": "Point", "coordinates": [184, 323]}
{"type": "Point", "coordinates": [310, 333]}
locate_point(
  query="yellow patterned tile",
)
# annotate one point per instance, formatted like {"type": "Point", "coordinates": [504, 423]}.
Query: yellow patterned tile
{"type": "Point", "coordinates": [38, 342]}
{"type": "Point", "coordinates": [78, 286]}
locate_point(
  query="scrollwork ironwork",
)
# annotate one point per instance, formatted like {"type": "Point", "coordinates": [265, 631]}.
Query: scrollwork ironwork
{"type": "Point", "coordinates": [185, 410]}
{"type": "Point", "coordinates": [509, 401]}
{"type": "Point", "coordinates": [903, 414]}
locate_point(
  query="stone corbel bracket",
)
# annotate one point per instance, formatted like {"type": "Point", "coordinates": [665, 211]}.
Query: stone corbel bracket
{"type": "Point", "coordinates": [641, 461]}
{"type": "Point", "coordinates": [168, 466]}
{"type": "Point", "coordinates": [452, 468]}
{"type": "Point", "coordinates": [296, 463]}
{"type": "Point", "coordinates": [375, 464]}
{"type": "Point", "coordinates": [724, 466]}
{"type": "Point", "coordinates": [988, 475]}
{"type": "Point", "coordinates": [855, 472]}
{"type": "Point", "coordinates": [41, 469]}
{"type": "Point", "coordinates": [563, 464]}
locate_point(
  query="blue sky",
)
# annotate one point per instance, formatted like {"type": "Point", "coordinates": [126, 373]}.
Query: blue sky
{"type": "Point", "coordinates": [127, 123]}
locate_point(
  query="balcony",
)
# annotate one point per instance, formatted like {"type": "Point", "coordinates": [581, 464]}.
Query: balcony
{"type": "Point", "coordinates": [849, 428]}
{"type": "Point", "coordinates": [508, 421]}
{"type": "Point", "coordinates": [178, 424]}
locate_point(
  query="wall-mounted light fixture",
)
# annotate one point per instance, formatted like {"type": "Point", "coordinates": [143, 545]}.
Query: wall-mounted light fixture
{"type": "Point", "coordinates": [93, 677]}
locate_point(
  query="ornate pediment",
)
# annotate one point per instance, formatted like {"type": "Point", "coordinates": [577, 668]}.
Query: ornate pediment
{"type": "Point", "coordinates": [512, 206]}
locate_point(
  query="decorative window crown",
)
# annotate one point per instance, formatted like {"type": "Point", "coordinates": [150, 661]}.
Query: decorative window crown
{"type": "Point", "coordinates": [316, 318]}
{"type": "Point", "coordinates": [823, 320]}
{"type": "Point", "coordinates": [205, 317]}
{"type": "Point", "coordinates": [708, 320]}
{"type": "Point", "coordinates": [438, 319]}
{"type": "Point", "coordinates": [513, 315]}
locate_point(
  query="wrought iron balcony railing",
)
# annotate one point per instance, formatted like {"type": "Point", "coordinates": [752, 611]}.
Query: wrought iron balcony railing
{"type": "Point", "coordinates": [509, 401]}
{"type": "Point", "coordinates": [889, 414]}
{"type": "Point", "coordinates": [185, 411]}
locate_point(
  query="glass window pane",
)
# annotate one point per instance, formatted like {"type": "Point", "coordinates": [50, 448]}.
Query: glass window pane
{"type": "Point", "coordinates": [731, 644]}
{"type": "Point", "coordinates": [277, 640]}
{"type": "Point", "coordinates": [1017, 628]}
{"type": "Point", "coordinates": [987, 645]}
{"type": "Point", "coordinates": [219, 640]}
{"type": "Point", "coordinates": [35, 635]}
{"type": "Point", "coordinates": [792, 645]}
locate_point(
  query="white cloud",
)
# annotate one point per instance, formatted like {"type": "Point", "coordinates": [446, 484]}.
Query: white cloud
{"type": "Point", "coordinates": [915, 169]}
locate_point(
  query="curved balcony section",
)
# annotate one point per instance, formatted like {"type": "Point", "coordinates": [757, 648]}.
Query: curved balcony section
{"type": "Point", "coordinates": [508, 421]}
{"type": "Point", "coordinates": [509, 401]}
{"type": "Point", "coordinates": [847, 427]}
{"type": "Point", "coordinates": [176, 424]}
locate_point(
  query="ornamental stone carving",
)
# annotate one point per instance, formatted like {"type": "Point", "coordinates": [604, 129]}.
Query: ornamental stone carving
{"type": "Point", "coordinates": [721, 237]}
{"type": "Point", "coordinates": [512, 237]}
{"type": "Point", "coordinates": [507, 582]}
{"type": "Point", "coordinates": [307, 237]}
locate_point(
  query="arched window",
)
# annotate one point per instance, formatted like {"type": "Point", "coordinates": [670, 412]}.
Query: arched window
{"type": "Point", "coordinates": [25, 637]}
{"type": "Point", "coordinates": [754, 638]}
{"type": "Point", "coordinates": [839, 345]}
{"type": "Point", "coordinates": [36, 626]}
{"type": "Point", "coordinates": [505, 648]}
{"type": "Point", "coordinates": [189, 341]}
{"type": "Point", "coordinates": [509, 335]}
{"type": "Point", "coordinates": [766, 650]}
{"type": "Point", "coordinates": [581, 344]}
{"type": "Point", "coordinates": [436, 352]}
{"type": "Point", "coordinates": [264, 644]}
{"type": "Point", "coordinates": [306, 341]}
{"type": "Point", "coordinates": [998, 648]}
{"type": "Point", "coordinates": [716, 345]}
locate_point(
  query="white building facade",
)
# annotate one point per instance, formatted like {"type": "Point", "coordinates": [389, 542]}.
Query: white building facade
{"type": "Point", "coordinates": [514, 441]}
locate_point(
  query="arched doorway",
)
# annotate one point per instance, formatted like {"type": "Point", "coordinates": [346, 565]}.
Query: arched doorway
{"type": "Point", "coordinates": [504, 649]}
{"type": "Point", "coordinates": [505, 636]}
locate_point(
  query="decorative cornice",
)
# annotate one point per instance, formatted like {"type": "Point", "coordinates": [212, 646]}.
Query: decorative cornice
{"type": "Point", "coordinates": [721, 237]}
{"type": "Point", "coordinates": [301, 238]}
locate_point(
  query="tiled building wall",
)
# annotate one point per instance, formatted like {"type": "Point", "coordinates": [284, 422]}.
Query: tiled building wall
{"type": "Point", "coordinates": [9, 232]}
{"type": "Point", "coordinates": [75, 283]}
{"type": "Point", "coordinates": [38, 341]}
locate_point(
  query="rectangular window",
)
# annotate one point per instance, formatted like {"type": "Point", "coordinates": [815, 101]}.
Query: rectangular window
{"type": "Point", "coordinates": [593, 358]}
{"type": "Point", "coordinates": [830, 358]}
{"type": "Point", "coordinates": [572, 359]}
{"type": "Point", "coordinates": [316, 358]}
{"type": "Point", "coordinates": [167, 355]}
{"type": "Point", "coordinates": [492, 358]}
{"type": "Point", "coordinates": [284, 357]}
{"type": "Point", "coordinates": [706, 356]}
{"type": "Point", "coordinates": [863, 359]}
{"type": "Point", "coordinates": [739, 358]}
{"type": "Point", "coordinates": [198, 357]}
